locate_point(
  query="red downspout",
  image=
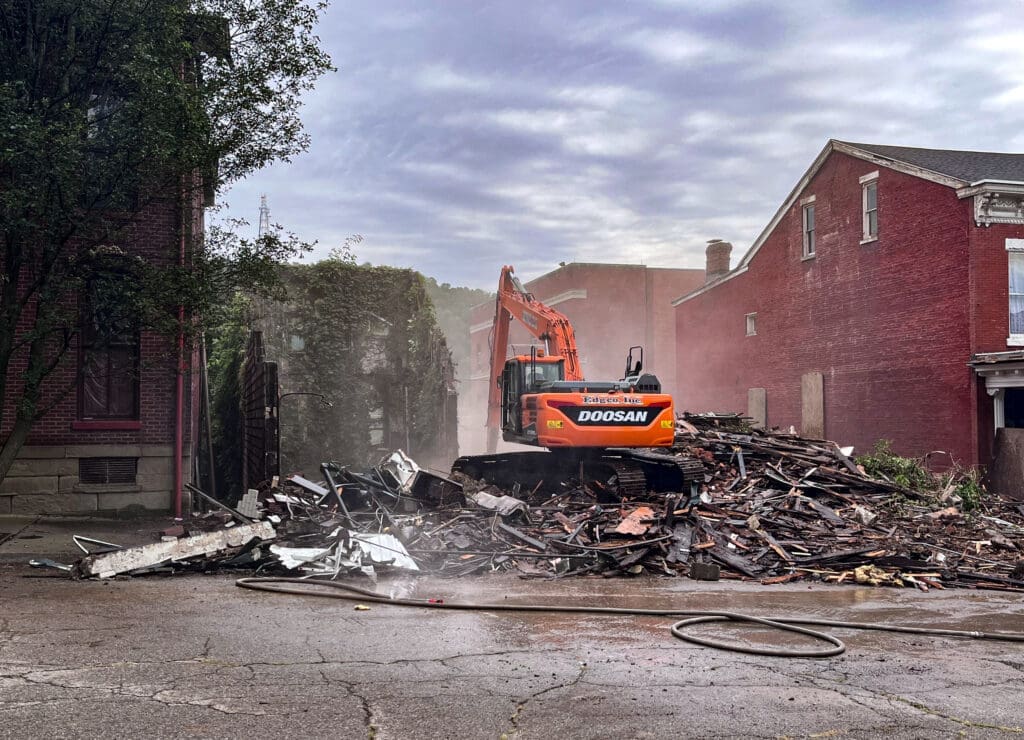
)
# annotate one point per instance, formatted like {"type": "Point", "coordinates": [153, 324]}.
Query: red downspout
{"type": "Point", "coordinates": [179, 390]}
{"type": "Point", "coordinates": [179, 386]}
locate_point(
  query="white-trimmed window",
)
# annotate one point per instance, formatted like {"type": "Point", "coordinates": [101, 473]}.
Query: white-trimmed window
{"type": "Point", "coordinates": [869, 206]}
{"type": "Point", "coordinates": [1015, 260]}
{"type": "Point", "coordinates": [808, 229]}
{"type": "Point", "coordinates": [751, 319]}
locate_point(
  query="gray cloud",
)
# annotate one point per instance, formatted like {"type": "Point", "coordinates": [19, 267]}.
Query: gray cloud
{"type": "Point", "coordinates": [460, 136]}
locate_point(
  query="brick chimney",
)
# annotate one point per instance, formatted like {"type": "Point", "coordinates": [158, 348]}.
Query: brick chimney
{"type": "Point", "coordinates": [717, 259]}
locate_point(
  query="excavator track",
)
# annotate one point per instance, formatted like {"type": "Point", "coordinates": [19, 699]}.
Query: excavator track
{"type": "Point", "coordinates": [623, 472]}
{"type": "Point", "coordinates": [630, 479]}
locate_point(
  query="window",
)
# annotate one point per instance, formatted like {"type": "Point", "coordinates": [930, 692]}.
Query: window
{"type": "Point", "coordinates": [808, 221]}
{"type": "Point", "coordinates": [869, 199]}
{"type": "Point", "coordinates": [108, 380]}
{"type": "Point", "coordinates": [751, 324]}
{"type": "Point", "coordinates": [108, 186]}
{"type": "Point", "coordinates": [102, 112]}
{"type": "Point", "coordinates": [108, 385]}
{"type": "Point", "coordinates": [1015, 257]}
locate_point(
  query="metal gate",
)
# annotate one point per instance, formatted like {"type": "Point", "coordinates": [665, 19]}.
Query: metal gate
{"type": "Point", "coordinates": [260, 431]}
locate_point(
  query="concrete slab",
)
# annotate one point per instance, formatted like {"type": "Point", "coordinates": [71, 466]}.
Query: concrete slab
{"type": "Point", "coordinates": [156, 466]}
{"type": "Point", "coordinates": [103, 451]}
{"type": "Point", "coordinates": [54, 503]}
{"type": "Point", "coordinates": [152, 500]}
{"type": "Point", "coordinates": [37, 451]}
{"type": "Point", "coordinates": [162, 482]}
{"type": "Point", "coordinates": [34, 484]}
{"type": "Point", "coordinates": [43, 466]}
{"type": "Point", "coordinates": [110, 564]}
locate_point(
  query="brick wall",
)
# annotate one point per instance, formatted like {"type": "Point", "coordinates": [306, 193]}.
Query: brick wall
{"type": "Point", "coordinates": [887, 323]}
{"type": "Point", "coordinates": [989, 300]}
{"type": "Point", "coordinates": [45, 478]}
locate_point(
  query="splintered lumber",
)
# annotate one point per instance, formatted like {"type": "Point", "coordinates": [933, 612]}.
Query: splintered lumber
{"type": "Point", "coordinates": [770, 506]}
{"type": "Point", "coordinates": [532, 541]}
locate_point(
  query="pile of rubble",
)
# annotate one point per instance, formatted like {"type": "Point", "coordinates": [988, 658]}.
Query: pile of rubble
{"type": "Point", "coordinates": [779, 508]}
{"type": "Point", "coordinates": [773, 507]}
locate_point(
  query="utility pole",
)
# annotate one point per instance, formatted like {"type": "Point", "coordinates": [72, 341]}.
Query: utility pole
{"type": "Point", "coordinates": [264, 216]}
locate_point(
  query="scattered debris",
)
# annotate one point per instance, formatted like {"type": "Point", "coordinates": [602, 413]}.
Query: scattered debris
{"type": "Point", "coordinates": [773, 507]}
{"type": "Point", "coordinates": [127, 560]}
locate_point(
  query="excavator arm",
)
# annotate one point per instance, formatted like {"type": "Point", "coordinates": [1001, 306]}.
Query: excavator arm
{"type": "Point", "coordinates": [541, 321]}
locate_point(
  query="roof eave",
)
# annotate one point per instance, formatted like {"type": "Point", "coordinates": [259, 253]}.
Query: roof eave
{"type": "Point", "coordinates": [708, 286]}
{"type": "Point", "coordinates": [900, 166]}
{"type": "Point", "coordinates": [833, 145]}
{"type": "Point", "coordinates": [741, 266]}
{"type": "Point", "coordinates": [988, 186]}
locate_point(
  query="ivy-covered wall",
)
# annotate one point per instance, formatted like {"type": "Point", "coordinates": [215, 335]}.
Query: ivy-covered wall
{"type": "Point", "coordinates": [367, 339]}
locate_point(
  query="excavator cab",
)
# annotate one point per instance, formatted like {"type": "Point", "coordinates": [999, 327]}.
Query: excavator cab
{"type": "Point", "coordinates": [525, 374]}
{"type": "Point", "coordinates": [639, 381]}
{"type": "Point", "coordinates": [633, 371]}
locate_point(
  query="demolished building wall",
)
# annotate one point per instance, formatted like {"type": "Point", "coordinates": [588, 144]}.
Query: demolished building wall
{"type": "Point", "coordinates": [365, 341]}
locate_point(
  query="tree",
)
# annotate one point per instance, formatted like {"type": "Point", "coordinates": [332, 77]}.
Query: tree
{"type": "Point", "coordinates": [108, 110]}
{"type": "Point", "coordinates": [453, 306]}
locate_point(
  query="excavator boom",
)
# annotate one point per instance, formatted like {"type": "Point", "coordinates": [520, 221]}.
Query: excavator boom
{"type": "Point", "coordinates": [544, 323]}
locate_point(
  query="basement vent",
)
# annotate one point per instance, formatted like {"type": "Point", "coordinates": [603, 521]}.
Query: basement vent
{"type": "Point", "coordinates": [107, 470]}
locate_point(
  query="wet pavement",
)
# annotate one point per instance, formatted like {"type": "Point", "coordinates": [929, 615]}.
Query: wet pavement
{"type": "Point", "coordinates": [25, 537]}
{"type": "Point", "coordinates": [195, 656]}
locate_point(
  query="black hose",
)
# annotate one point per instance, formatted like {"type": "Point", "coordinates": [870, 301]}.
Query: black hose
{"type": "Point", "coordinates": [348, 592]}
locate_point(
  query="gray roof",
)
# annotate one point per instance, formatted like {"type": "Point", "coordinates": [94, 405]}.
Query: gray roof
{"type": "Point", "coordinates": [967, 166]}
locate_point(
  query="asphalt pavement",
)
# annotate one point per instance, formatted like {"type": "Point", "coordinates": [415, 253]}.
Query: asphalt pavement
{"type": "Point", "coordinates": [196, 656]}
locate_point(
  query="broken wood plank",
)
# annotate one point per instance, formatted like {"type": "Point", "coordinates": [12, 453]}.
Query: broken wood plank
{"type": "Point", "coordinates": [532, 541]}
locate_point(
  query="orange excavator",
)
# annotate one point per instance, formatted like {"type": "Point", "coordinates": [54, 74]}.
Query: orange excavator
{"type": "Point", "coordinates": [598, 431]}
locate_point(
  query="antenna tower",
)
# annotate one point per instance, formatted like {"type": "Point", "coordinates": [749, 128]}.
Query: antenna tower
{"type": "Point", "coordinates": [264, 216]}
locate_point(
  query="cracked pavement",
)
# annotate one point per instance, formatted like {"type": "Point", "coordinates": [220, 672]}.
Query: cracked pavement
{"type": "Point", "coordinates": [194, 656]}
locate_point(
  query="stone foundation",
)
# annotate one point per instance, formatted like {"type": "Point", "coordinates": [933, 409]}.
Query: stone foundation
{"type": "Point", "coordinates": [44, 480]}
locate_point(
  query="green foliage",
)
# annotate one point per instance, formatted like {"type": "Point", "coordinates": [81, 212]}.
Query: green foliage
{"type": "Point", "coordinates": [345, 253]}
{"type": "Point", "coordinates": [967, 486]}
{"type": "Point", "coordinates": [955, 485]}
{"type": "Point", "coordinates": [452, 306]}
{"type": "Point", "coordinates": [225, 353]}
{"type": "Point", "coordinates": [367, 338]}
{"type": "Point", "coordinates": [114, 113]}
{"type": "Point", "coordinates": [883, 463]}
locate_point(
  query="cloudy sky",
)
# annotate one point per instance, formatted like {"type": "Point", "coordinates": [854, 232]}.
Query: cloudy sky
{"type": "Point", "coordinates": [459, 136]}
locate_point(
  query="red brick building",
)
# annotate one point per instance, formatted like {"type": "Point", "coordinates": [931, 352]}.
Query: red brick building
{"type": "Point", "coordinates": [611, 307]}
{"type": "Point", "coordinates": [109, 442]}
{"type": "Point", "coordinates": [859, 310]}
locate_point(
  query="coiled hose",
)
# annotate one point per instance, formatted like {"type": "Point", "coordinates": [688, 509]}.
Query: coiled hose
{"type": "Point", "coordinates": [348, 592]}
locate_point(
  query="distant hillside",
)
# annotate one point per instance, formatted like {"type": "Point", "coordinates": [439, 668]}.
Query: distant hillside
{"type": "Point", "coordinates": [451, 306]}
